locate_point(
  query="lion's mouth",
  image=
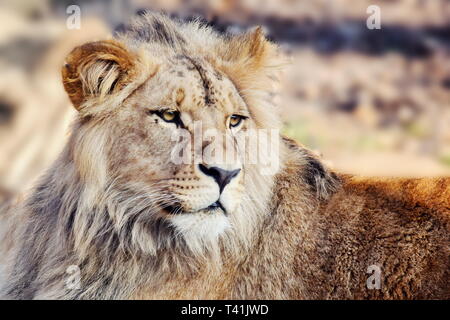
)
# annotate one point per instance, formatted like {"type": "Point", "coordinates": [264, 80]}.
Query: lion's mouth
{"type": "Point", "coordinates": [216, 206]}
{"type": "Point", "coordinates": [212, 208]}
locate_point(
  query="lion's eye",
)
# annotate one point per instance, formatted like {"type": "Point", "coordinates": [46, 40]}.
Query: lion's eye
{"type": "Point", "coordinates": [169, 115]}
{"type": "Point", "coordinates": [236, 120]}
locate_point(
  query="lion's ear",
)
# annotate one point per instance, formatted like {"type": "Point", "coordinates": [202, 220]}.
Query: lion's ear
{"type": "Point", "coordinates": [97, 69]}
{"type": "Point", "coordinates": [249, 58]}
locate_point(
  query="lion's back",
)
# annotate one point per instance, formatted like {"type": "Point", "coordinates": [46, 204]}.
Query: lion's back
{"type": "Point", "coordinates": [397, 226]}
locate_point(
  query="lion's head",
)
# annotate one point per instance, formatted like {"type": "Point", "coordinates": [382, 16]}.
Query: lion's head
{"type": "Point", "coordinates": [162, 139]}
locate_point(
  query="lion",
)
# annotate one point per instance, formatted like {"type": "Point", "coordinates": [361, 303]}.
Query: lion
{"type": "Point", "coordinates": [116, 217]}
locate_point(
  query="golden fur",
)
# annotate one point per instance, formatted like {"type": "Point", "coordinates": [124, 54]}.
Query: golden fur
{"type": "Point", "coordinates": [304, 232]}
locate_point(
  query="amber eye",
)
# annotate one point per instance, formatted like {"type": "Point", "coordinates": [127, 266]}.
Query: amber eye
{"type": "Point", "coordinates": [236, 120]}
{"type": "Point", "coordinates": [169, 115]}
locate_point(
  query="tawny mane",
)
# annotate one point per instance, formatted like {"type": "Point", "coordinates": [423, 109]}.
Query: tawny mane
{"type": "Point", "coordinates": [82, 218]}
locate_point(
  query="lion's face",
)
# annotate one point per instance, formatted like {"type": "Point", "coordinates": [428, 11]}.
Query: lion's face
{"type": "Point", "coordinates": [166, 134]}
{"type": "Point", "coordinates": [177, 137]}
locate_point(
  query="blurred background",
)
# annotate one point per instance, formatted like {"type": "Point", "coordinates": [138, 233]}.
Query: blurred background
{"type": "Point", "coordinates": [372, 102]}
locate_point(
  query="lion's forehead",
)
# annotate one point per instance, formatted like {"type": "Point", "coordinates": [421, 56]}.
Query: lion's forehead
{"type": "Point", "coordinates": [192, 85]}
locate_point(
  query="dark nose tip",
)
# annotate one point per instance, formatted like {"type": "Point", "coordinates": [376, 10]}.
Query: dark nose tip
{"type": "Point", "coordinates": [222, 177]}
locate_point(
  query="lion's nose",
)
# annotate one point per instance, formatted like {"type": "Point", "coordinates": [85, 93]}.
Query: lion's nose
{"type": "Point", "coordinates": [222, 177]}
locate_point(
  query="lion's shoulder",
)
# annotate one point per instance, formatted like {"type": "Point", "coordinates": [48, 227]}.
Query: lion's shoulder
{"type": "Point", "coordinates": [304, 171]}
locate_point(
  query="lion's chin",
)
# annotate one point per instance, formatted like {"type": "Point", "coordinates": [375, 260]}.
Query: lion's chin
{"type": "Point", "coordinates": [213, 209]}
{"type": "Point", "coordinates": [200, 227]}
